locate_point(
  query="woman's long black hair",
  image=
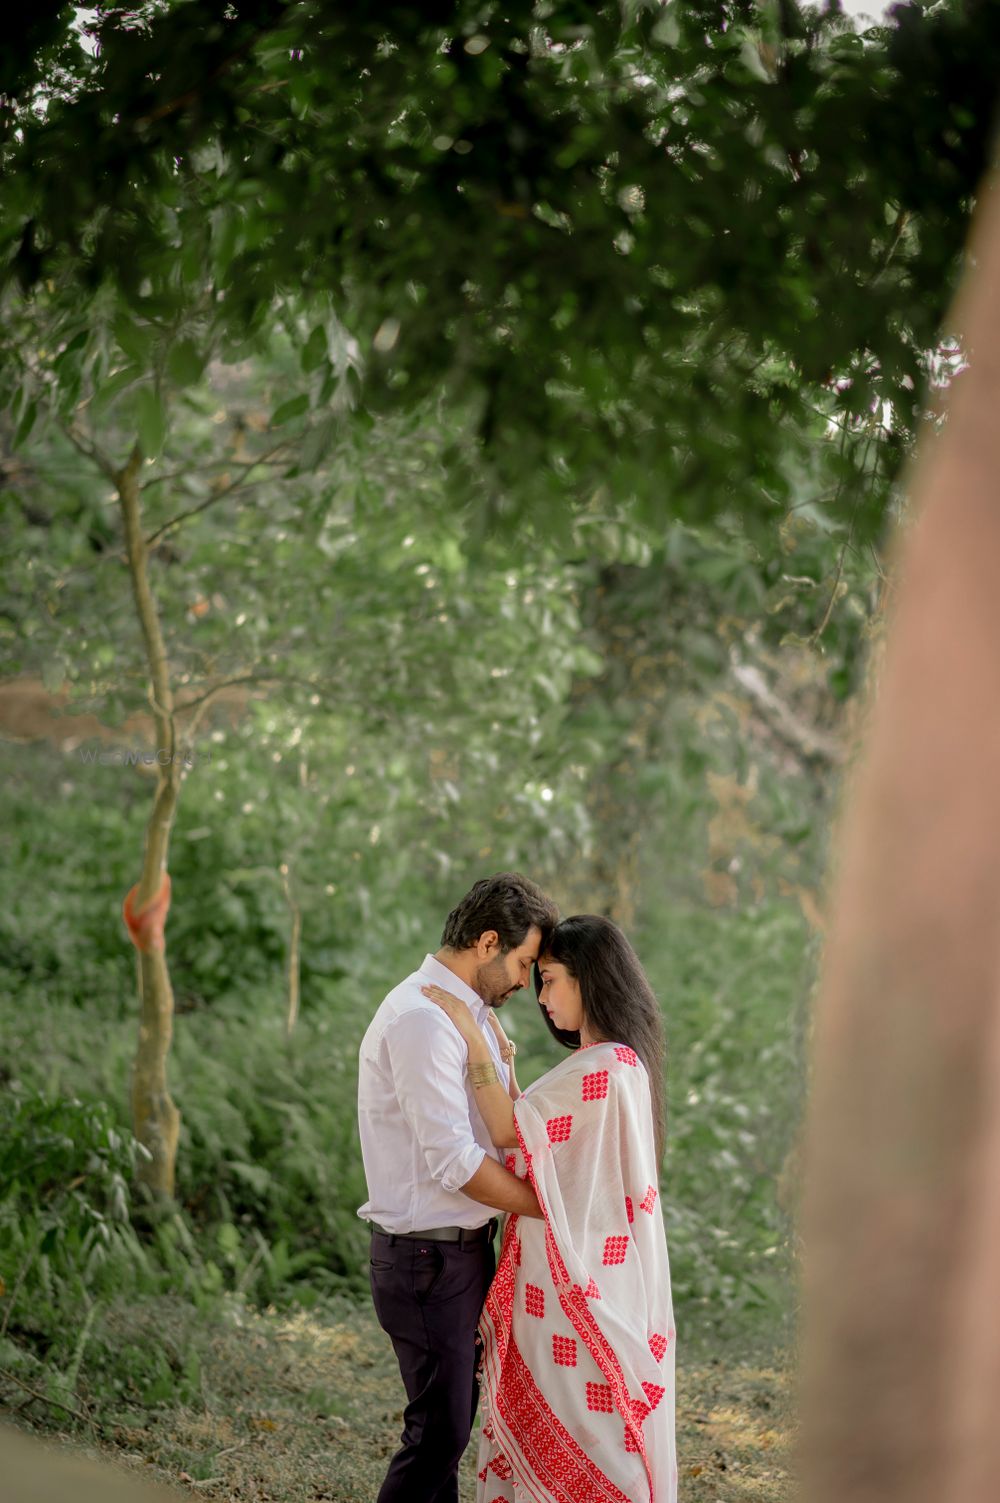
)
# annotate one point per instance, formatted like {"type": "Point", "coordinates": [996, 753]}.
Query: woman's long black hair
{"type": "Point", "coordinates": [618, 1001]}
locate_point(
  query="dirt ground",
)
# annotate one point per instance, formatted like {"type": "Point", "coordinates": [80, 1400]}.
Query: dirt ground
{"type": "Point", "coordinates": [301, 1409]}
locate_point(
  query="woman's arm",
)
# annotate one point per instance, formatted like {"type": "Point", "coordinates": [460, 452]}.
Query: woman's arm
{"type": "Point", "coordinates": [492, 1097]}
{"type": "Point", "coordinates": [505, 1046]}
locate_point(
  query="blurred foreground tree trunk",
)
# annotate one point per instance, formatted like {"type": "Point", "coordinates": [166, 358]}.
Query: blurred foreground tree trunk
{"type": "Point", "coordinates": [38, 1473]}
{"type": "Point", "coordinates": [901, 1378]}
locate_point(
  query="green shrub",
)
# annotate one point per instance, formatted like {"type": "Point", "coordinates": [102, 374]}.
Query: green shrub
{"type": "Point", "coordinates": [65, 1171]}
{"type": "Point", "coordinates": [71, 1255]}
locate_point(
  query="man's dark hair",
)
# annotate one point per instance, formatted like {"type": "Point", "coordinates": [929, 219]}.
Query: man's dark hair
{"type": "Point", "coordinates": [508, 903]}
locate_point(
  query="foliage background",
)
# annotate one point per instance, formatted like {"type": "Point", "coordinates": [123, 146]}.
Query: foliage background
{"type": "Point", "coordinates": [713, 840]}
{"type": "Point", "coordinates": [518, 410]}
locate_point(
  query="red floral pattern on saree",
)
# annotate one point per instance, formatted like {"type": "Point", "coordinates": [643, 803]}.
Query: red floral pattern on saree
{"type": "Point", "coordinates": [546, 1445]}
{"type": "Point", "coordinates": [577, 1383]}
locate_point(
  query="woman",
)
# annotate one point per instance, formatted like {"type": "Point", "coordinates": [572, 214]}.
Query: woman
{"type": "Point", "coordinates": [577, 1330]}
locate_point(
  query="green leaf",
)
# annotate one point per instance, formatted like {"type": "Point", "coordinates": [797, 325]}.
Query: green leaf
{"type": "Point", "coordinates": [228, 1238]}
{"type": "Point", "coordinates": [315, 348]}
{"type": "Point", "coordinates": [317, 443]}
{"type": "Point", "coordinates": [254, 1175]}
{"type": "Point", "coordinates": [227, 230]}
{"type": "Point", "coordinates": [115, 385]}
{"type": "Point", "coordinates": [293, 408]}
{"type": "Point", "coordinates": [26, 424]}
{"type": "Point", "coordinates": [150, 420]}
{"type": "Point", "coordinates": [74, 347]}
{"type": "Point", "coordinates": [136, 342]}
{"type": "Point", "coordinates": [185, 363]}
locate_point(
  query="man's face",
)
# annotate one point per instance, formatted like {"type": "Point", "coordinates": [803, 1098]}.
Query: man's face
{"type": "Point", "coordinates": [500, 976]}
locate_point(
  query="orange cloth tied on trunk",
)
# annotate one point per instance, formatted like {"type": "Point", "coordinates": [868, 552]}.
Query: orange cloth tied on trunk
{"type": "Point", "coordinates": [145, 928]}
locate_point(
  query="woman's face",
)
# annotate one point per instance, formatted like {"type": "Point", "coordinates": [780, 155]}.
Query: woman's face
{"type": "Point", "coordinates": [560, 996]}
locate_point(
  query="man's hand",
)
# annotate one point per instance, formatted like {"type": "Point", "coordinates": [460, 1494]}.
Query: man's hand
{"type": "Point", "coordinates": [496, 1187]}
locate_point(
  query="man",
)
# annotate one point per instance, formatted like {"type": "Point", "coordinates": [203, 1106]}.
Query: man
{"type": "Point", "coordinates": [435, 1181]}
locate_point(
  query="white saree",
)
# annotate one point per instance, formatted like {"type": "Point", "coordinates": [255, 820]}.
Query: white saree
{"type": "Point", "coordinates": [577, 1331]}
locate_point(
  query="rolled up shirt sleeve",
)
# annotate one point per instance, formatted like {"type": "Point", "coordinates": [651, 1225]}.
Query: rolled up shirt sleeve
{"type": "Point", "coordinates": [428, 1059]}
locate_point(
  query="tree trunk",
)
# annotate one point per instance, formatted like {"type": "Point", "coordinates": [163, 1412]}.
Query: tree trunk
{"type": "Point", "coordinates": [624, 708]}
{"type": "Point", "coordinates": [156, 1120]}
{"type": "Point", "coordinates": [901, 1369]}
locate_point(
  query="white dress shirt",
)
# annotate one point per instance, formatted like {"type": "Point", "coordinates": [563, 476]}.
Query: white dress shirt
{"type": "Point", "coordinates": [422, 1137]}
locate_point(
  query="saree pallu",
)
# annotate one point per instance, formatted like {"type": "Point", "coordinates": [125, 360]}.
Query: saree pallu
{"type": "Point", "coordinates": [577, 1332]}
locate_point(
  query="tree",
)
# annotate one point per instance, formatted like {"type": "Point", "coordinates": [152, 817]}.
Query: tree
{"type": "Point", "coordinates": [528, 227]}
{"type": "Point", "coordinates": [640, 251]}
{"type": "Point", "coordinates": [338, 583]}
{"type": "Point", "coordinates": [903, 1183]}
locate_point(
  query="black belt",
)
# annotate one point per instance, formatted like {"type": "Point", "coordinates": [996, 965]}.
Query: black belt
{"type": "Point", "coordinates": [460, 1234]}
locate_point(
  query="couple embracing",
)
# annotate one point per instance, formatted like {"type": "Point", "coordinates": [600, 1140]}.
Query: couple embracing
{"type": "Point", "coordinates": [570, 1325]}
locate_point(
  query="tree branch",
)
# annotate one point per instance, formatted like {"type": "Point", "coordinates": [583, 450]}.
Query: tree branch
{"type": "Point", "coordinates": [198, 469]}
{"type": "Point", "coordinates": [808, 741]}
{"type": "Point", "coordinates": [248, 678]}
{"type": "Point", "coordinates": [43, 1398]}
{"type": "Point", "coordinates": [899, 229]}
{"type": "Point", "coordinates": [821, 628]}
{"type": "Point", "coordinates": [217, 495]}
{"type": "Point", "coordinates": [91, 452]}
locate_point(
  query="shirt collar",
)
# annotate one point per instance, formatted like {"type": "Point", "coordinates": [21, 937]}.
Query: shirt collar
{"type": "Point", "coordinates": [441, 976]}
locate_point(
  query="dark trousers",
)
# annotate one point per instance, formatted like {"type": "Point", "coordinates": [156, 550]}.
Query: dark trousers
{"type": "Point", "coordinates": [428, 1297]}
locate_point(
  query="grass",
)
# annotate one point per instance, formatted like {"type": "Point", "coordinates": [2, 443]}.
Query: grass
{"type": "Point", "coordinates": [306, 1406]}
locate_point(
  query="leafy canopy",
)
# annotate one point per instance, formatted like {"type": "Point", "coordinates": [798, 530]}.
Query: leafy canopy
{"type": "Point", "coordinates": [647, 251]}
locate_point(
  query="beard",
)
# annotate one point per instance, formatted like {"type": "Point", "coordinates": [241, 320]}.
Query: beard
{"type": "Point", "coordinates": [493, 983]}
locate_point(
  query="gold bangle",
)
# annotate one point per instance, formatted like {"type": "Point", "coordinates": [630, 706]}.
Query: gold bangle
{"type": "Point", "coordinates": [483, 1075]}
